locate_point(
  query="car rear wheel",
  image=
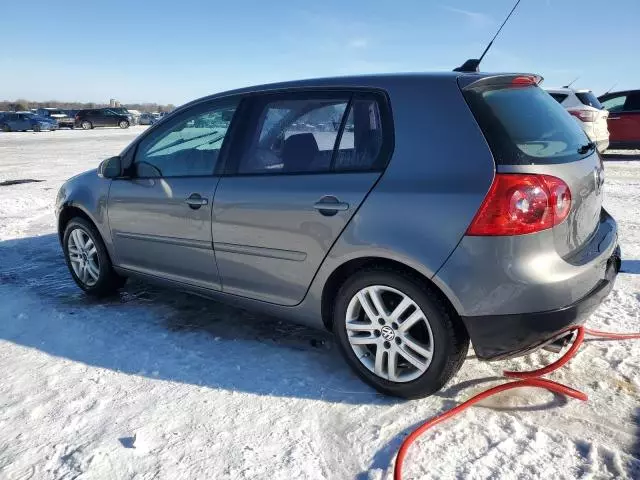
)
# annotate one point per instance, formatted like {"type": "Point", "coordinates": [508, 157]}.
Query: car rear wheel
{"type": "Point", "coordinates": [88, 260]}
{"type": "Point", "coordinates": [86, 125]}
{"type": "Point", "coordinates": [123, 124]}
{"type": "Point", "coordinates": [37, 128]}
{"type": "Point", "coordinates": [397, 334]}
{"type": "Point", "coordinates": [5, 128]}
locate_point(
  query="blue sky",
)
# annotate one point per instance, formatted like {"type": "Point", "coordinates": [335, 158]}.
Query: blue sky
{"type": "Point", "coordinates": [178, 50]}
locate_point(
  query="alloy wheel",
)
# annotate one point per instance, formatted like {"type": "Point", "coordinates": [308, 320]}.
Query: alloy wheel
{"type": "Point", "coordinates": [389, 333]}
{"type": "Point", "coordinates": [83, 257]}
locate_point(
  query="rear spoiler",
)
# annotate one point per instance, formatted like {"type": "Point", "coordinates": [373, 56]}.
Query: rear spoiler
{"type": "Point", "coordinates": [505, 80]}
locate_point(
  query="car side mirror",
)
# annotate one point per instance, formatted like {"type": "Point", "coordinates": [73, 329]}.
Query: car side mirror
{"type": "Point", "coordinates": [110, 168]}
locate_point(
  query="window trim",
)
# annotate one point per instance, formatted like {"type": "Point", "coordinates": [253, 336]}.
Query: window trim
{"type": "Point", "coordinates": [161, 128]}
{"type": "Point", "coordinates": [255, 99]}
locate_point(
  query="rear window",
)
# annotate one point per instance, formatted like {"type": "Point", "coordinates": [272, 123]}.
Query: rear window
{"type": "Point", "coordinates": [524, 125]}
{"type": "Point", "coordinates": [588, 98]}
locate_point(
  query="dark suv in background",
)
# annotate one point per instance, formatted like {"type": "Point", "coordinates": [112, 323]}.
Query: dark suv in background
{"type": "Point", "coordinates": [101, 117]}
{"type": "Point", "coordinates": [405, 213]}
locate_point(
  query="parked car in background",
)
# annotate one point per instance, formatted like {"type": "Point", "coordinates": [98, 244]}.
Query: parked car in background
{"type": "Point", "coordinates": [59, 115]}
{"type": "Point", "coordinates": [23, 121]}
{"type": "Point", "coordinates": [122, 111]}
{"type": "Point", "coordinates": [135, 116]}
{"type": "Point", "coordinates": [147, 119]}
{"type": "Point", "coordinates": [584, 106]}
{"type": "Point", "coordinates": [473, 211]}
{"type": "Point", "coordinates": [101, 117]}
{"type": "Point", "coordinates": [624, 118]}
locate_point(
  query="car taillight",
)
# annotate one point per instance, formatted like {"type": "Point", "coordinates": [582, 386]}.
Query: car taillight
{"type": "Point", "coordinates": [584, 115]}
{"type": "Point", "coordinates": [517, 204]}
{"type": "Point", "coordinates": [77, 117]}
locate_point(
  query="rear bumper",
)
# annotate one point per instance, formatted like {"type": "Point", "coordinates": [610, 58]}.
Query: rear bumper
{"type": "Point", "coordinates": [496, 337]}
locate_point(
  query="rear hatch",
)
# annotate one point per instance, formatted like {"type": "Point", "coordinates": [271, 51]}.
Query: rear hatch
{"type": "Point", "coordinates": [530, 133]}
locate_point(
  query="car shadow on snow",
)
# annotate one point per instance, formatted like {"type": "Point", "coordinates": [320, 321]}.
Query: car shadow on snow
{"type": "Point", "coordinates": [163, 334]}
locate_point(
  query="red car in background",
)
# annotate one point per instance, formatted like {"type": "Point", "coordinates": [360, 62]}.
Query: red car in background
{"type": "Point", "coordinates": [624, 118]}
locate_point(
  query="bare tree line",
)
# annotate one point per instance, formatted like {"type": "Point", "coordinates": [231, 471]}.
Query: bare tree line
{"type": "Point", "coordinates": [22, 104]}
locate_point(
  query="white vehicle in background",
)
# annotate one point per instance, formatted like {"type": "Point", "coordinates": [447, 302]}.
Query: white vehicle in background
{"type": "Point", "coordinates": [588, 112]}
{"type": "Point", "coordinates": [135, 116]}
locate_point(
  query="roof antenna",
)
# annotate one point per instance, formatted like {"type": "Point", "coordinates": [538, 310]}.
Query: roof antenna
{"type": "Point", "coordinates": [610, 88]}
{"type": "Point", "coordinates": [473, 64]}
{"type": "Point", "coordinates": [571, 82]}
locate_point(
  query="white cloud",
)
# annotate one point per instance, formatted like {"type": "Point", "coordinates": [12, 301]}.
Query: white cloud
{"type": "Point", "coordinates": [476, 18]}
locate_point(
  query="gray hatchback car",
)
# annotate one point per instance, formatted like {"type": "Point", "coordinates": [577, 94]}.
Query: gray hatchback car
{"type": "Point", "coordinates": [408, 214]}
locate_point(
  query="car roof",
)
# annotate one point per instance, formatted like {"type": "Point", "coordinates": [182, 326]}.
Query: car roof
{"type": "Point", "coordinates": [621, 92]}
{"type": "Point", "coordinates": [380, 80]}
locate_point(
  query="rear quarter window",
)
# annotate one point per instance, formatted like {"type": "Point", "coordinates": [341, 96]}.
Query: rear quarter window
{"type": "Point", "coordinates": [524, 125]}
{"type": "Point", "coordinates": [559, 97]}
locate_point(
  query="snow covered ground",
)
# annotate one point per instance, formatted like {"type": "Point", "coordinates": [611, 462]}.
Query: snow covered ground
{"type": "Point", "coordinates": [160, 385]}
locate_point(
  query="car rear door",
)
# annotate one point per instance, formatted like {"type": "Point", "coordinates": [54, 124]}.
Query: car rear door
{"type": "Point", "coordinates": [305, 161]}
{"type": "Point", "coordinates": [160, 213]}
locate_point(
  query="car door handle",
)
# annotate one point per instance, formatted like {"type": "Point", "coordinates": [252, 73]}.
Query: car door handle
{"type": "Point", "coordinates": [330, 205]}
{"type": "Point", "coordinates": [195, 201]}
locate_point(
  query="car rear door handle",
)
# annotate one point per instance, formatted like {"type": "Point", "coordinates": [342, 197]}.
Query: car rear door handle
{"type": "Point", "coordinates": [195, 201]}
{"type": "Point", "coordinates": [330, 205]}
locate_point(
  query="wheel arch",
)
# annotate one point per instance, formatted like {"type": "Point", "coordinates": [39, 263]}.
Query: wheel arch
{"type": "Point", "coordinates": [339, 275]}
{"type": "Point", "coordinates": [69, 212]}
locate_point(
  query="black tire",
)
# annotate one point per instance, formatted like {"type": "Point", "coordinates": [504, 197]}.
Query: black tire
{"type": "Point", "coordinates": [6, 128]}
{"type": "Point", "coordinates": [450, 339]}
{"type": "Point", "coordinates": [108, 280]}
{"type": "Point", "coordinates": [123, 124]}
{"type": "Point", "coordinates": [86, 125]}
{"type": "Point", "coordinates": [36, 128]}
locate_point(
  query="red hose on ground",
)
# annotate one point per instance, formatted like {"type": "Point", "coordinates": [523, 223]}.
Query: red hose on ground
{"type": "Point", "coordinates": [527, 379]}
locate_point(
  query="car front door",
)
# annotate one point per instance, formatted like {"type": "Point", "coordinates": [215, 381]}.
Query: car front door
{"type": "Point", "coordinates": [107, 118]}
{"type": "Point", "coordinates": [628, 121]}
{"type": "Point", "coordinates": [624, 119]}
{"type": "Point", "coordinates": [160, 213]}
{"type": "Point", "coordinates": [306, 162]}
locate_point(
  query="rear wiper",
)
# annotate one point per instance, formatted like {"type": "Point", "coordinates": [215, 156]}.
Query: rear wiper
{"type": "Point", "coordinates": [582, 149]}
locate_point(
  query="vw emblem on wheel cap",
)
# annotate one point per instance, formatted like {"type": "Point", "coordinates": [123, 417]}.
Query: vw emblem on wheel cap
{"type": "Point", "coordinates": [387, 333]}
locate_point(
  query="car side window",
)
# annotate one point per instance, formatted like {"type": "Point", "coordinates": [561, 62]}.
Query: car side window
{"type": "Point", "coordinates": [615, 104]}
{"type": "Point", "coordinates": [361, 141]}
{"type": "Point", "coordinates": [632, 103]}
{"type": "Point", "coordinates": [188, 146]}
{"type": "Point", "coordinates": [294, 135]}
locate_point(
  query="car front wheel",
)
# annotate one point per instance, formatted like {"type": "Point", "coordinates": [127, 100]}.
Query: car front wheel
{"type": "Point", "coordinates": [123, 124]}
{"type": "Point", "coordinates": [397, 334]}
{"type": "Point", "coordinates": [88, 259]}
